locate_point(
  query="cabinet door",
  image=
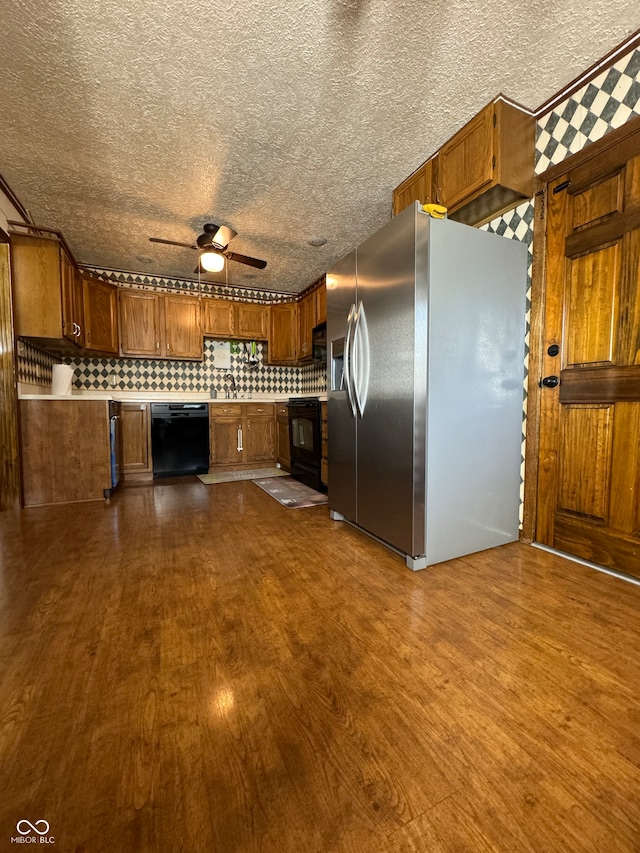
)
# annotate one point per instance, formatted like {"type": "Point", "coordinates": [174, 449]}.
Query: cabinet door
{"type": "Point", "coordinates": [139, 323]}
{"type": "Point", "coordinates": [283, 333]}
{"type": "Point", "coordinates": [252, 321]}
{"type": "Point", "coordinates": [72, 305]}
{"type": "Point", "coordinates": [136, 437]}
{"type": "Point", "coordinates": [465, 162]}
{"type": "Point", "coordinates": [226, 440]}
{"type": "Point", "coordinates": [283, 451]}
{"type": "Point", "coordinates": [321, 304]}
{"type": "Point", "coordinates": [307, 315]}
{"type": "Point", "coordinates": [183, 329]}
{"type": "Point", "coordinates": [218, 318]}
{"type": "Point", "coordinates": [259, 438]}
{"type": "Point", "coordinates": [100, 315]}
{"type": "Point", "coordinates": [417, 187]}
{"type": "Point", "coordinates": [60, 439]}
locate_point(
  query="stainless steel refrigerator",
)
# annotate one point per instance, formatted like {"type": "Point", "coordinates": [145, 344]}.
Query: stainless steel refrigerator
{"type": "Point", "coordinates": [426, 328]}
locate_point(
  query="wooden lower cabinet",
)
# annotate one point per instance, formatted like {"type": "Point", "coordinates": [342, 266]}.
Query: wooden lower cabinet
{"type": "Point", "coordinates": [283, 452]}
{"type": "Point", "coordinates": [136, 441]}
{"type": "Point", "coordinates": [324, 462]}
{"type": "Point", "coordinates": [66, 450]}
{"type": "Point", "coordinates": [242, 435]}
{"type": "Point", "coordinates": [225, 434]}
{"type": "Point", "coordinates": [259, 433]}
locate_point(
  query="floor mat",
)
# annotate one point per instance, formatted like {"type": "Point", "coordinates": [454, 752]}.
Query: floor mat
{"type": "Point", "coordinates": [290, 492]}
{"type": "Point", "coordinates": [234, 476]}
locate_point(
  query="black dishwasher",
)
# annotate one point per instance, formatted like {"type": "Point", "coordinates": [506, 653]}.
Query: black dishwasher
{"type": "Point", "coordinates": [179, 439]}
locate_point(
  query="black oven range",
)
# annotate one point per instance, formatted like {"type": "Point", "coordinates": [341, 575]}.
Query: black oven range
{"type": "Point", "coordinates": [305, 440]}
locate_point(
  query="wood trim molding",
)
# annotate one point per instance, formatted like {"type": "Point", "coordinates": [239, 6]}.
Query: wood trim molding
{"type": "Point", "coordinates": [608, 384]}
{"type": "Point", "coordinates": [10, 483]}
{"type": "Point", "coordinates": [590, 74]}
{"type": "Point", "coordinates": [532, 446]}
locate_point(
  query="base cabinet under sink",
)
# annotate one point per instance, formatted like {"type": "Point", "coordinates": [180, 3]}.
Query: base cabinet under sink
{"type": "Point", "coordinates": [242, 435]}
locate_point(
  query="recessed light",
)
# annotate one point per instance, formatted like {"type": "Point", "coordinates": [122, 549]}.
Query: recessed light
{"type": "Point", "coordinates": [317, 241]}
{"type": "Point", "coordinates": [144, 259]}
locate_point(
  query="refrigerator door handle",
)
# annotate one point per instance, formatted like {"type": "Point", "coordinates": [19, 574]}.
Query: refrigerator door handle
{"type": "Point", "coordinates": [361, 359]}
{"type": "Point", "coordinates": [348, 360]}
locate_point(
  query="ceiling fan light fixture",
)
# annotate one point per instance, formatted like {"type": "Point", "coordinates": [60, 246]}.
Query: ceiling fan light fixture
{"type": "Point", "coordinates": [212, 261]}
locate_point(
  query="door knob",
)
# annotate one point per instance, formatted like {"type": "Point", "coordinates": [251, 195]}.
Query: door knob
{"type": "Point", "coordinates": [550, 382]}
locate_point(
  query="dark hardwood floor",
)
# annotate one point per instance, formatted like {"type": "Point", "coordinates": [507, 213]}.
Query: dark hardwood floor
{"type": "Point", "coordinates": [196, 668]}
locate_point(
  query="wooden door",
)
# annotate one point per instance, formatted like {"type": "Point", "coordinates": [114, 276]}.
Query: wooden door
{"type": "Point", "coordinates": [136, 437]}
{"type": "Point", "coordinates": [183, 327]}
{"type": "Point", "coordinates": [417, 187]}
{"type": "Point", "coordinates": [283, 453]}
{"type": "Point", "coordinates": [139, 323]}
{"type": "Point", "coordinates": [100, 315]}
{"type": "Point", "coordinates": [225, 434]}
{"type": "Point", "coordinates": [218, 318]}
{"type": "Point", "coordinates": [321, 303]}
{"type": "Point", "coordinates": [465, 162]}
{"type": "Point", "coordinates": [307, 317]}
{"type": "Point", "coordinates": [252, 321]}
{"type": "Point", "coordinates": [283, 333]}
{"type": "Point", "coordinates": [72, 302]}
{"type": "Point", "coordinates": [589, 463]}
{"type": "Point", "coordinates": [259, 434]}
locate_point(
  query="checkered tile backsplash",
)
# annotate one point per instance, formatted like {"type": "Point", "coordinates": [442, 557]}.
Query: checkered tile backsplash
{"type": "Point", "coordinates": [602, 105]}
{"type": "Point", "coordinates": [133, 374]}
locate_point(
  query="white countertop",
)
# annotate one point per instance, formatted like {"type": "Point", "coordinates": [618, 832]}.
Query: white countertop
{"type": "Point", "coordinates": [165, 397]}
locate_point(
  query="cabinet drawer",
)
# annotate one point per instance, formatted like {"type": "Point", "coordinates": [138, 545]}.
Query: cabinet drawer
{"type": "Point", "coordinates": [259, 409]}
{"type": "Point", "coordinates": [225, 409]}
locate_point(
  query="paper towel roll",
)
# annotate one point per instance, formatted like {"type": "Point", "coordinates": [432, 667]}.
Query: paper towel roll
{"type": "Point", "coordinates": [62, 378]}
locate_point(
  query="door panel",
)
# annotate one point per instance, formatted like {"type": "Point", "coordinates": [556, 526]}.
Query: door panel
{"type": "Point", "coordinates": [586, 445]}
{"type": "Point", "coordinates": [591, 313]}
{"type": "Point", "coordinates": [589, 465]}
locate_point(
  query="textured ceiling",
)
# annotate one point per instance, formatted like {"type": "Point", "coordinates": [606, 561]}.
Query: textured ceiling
{"type": "Point", "coordinates": [120, 121]}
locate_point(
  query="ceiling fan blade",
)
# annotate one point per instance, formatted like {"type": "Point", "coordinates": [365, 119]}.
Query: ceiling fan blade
{"type": "Point", "coordinates": [245, 259]}
{"type": "Point", "coordinates": [172, 243]}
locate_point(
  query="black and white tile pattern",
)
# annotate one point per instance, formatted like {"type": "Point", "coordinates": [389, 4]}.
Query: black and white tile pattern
{"type": "Point", "coordinates": [602, 105]}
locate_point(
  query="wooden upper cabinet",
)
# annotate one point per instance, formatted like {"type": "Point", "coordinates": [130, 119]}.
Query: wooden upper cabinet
{"type": "Point", "coordinates": [242, 320]}
{"type": "Point", "coordinates": [283, 333]}
{"type": "Point", "coordinates": [100, 311]}
{"type": "Point", "coordinates": [73, 325]}
{"type": "Point", "coordinates": [182, 327]}
{"type": "Point", "coordinates": [252, 322]}
{"type": "Point", "coordinates": [218, 318]}
{"type": "Point", "coordinates": [153, 325]}
{"type": "Point", "coordinates": [307, 320]}
{"type": "Point", "coordinates": [321, 303]}
{"type": "Point", "coordinates": [46, 292]}
{"type": "Point", "coordinates": [139, 323]}
{"type": "Point", "coordinates": [487, 167]}
{"type": "Point", "coordinates": [420, 186]}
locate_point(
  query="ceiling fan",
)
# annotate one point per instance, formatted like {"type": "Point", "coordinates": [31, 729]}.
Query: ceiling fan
{"type": "Point", "coordinates": [212, 245]}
